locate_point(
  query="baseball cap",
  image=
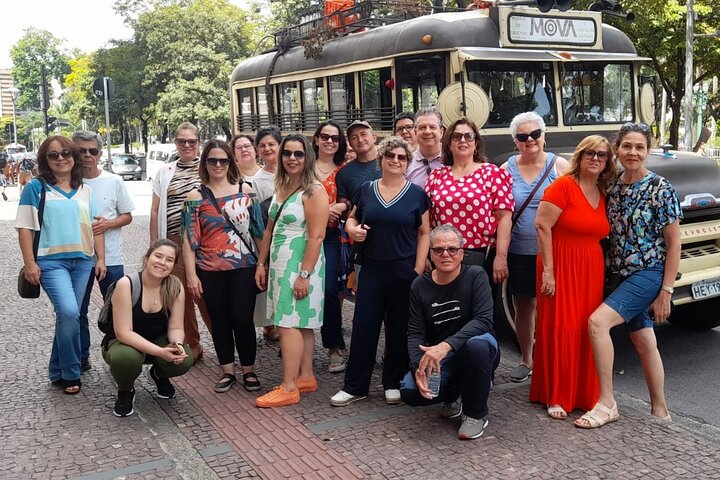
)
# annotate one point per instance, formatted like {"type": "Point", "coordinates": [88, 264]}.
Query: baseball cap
{"type": "Point", "coordinates": [357, 123]}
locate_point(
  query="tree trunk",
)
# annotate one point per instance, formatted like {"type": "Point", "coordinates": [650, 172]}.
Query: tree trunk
{"type": "Point", "coordinates": [144, 132]}
{"type": "Point", "coordinates": [676, 107]}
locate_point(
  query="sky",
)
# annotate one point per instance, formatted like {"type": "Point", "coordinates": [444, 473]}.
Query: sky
{"type": "Point", "coordinates": [84, 24]}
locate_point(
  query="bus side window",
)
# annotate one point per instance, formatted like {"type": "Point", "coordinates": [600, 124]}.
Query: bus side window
{"type": "Point", "coordinates": [376, 97]}
{"type": "Point", "coordinates": [288, 107]}
{"type": "Point", "coordinates": [419, 81]}
{"type": "Point", "coordinates": [313, 103]}
{"type": "Point", "coordinates": [342, 98]}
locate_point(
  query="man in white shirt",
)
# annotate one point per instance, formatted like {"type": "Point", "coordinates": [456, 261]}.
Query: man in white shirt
{"type": "Point", "coordinates": [428, 156]}
{"type": "Point", "coordinates": [115, 205]}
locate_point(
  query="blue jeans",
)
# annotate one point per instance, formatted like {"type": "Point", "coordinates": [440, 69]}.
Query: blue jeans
{"type": "Point", "coordinates": [467, 372]}
{"type": "Point", "coordinates": [65, 281]}
{"type": "Point", "coordinates": [114, 273]}
{"type": "Point", "coordinates": [331, 330]}
{"type": "Point", "coordinates": [634, 296]}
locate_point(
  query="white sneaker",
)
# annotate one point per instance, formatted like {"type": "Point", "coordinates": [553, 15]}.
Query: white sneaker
{"type": "Point", "coordinates": [342, 399]}
{"type": "Point", "coordinates": [392, 396]}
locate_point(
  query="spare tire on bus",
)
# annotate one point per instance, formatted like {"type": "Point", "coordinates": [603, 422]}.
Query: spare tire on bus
{"type": "Point", "coordinates": [477, 105]}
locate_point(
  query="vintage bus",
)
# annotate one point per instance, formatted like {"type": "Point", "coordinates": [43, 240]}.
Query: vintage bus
{"type": "Point", "coordinates": [581, 75]}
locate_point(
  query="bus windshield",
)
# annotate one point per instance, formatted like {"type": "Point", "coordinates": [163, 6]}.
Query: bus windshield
{"type": "Point", "coordinates": [595, 93]}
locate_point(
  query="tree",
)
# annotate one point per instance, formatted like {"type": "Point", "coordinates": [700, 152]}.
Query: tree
{"type": "Point", "coordinates": [77, 98]}
{"type": "Point", "coordinates": [658, 33]}
{"type": "Point", "coordinates": [36, 48]}
{"type": "Point", "coordinates": [190, 51]}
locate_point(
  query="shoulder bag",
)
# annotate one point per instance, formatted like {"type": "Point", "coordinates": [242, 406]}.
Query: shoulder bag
{"type": "Point", "coordinates": [25, 288]}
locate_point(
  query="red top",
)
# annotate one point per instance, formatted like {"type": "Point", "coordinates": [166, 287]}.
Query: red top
{"type": "Point", "coordinates": [469, 203]}
{"type": "Point", "coordinates": [331, 189]}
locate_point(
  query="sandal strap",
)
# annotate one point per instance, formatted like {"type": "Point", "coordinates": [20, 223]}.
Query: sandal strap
{"type": "Point", "coordinates": [227, 378]}
{"type": "Point", "coordinates": [251, 376]}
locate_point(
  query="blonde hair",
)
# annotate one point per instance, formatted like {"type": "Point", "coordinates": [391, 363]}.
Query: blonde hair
{"type": "Point", "coordinates": [170, 287]}
{"type": "Point", "coordinates": [608, 174]}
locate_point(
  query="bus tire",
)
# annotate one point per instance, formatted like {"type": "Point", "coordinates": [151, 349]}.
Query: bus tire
{"type": "Point", "coordinates": [697, 316]}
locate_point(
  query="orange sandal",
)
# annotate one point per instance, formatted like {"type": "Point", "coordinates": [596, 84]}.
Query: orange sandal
{"type": "Point", "coordinates": [278, 397]}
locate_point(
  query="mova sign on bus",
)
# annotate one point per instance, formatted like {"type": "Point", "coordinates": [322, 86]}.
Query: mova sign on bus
{"type": "Point", "coordinates": [525, 27]}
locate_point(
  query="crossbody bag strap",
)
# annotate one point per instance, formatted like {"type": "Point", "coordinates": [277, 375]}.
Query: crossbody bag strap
{"type": "Point", "coordinates": [41, 213]}
{"type": "Point", "coordinates": [282, 206]}
{"type": "Point", "coordinates": [210, 195]}
{"type": "Point", "coordinates": [516, 217]}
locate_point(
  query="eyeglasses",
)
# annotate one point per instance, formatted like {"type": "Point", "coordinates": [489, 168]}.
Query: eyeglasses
{"type": "Point", "coordinates": [635, 127]}
{"type": "Point", "coordinates": [467, 136]}
{"type": "Point", "coordinates": [243, 147]}
{"type": "Point", "coordinates": [404, 128]}
{"type": "Point", "coordinates": [588, 154]}
{"type": "Point", "coordinates": [218, 161]}
{"type": "Point", "coordinates": [54, 156]}
{"type": "Point", "coordinates": [91, 151]}
{"type": "Point", "coordinates": [401, 157]}
{"type": "Point", "coordinates": [452, 251]}
{"type": "Point", "coordinates": [523, 137]}
{"type": "Point", "coordinates": [186, 141]}
{"type": "Point", "coordinates": [325, 137]}
{"type": "Point", "coordinates": [299, 154]}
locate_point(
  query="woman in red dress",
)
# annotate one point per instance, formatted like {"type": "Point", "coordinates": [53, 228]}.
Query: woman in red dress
{"type": "Point", "coordinates": [570, 222]}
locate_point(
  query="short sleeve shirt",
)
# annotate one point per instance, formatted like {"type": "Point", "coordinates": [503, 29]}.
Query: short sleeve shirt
{"type": "Point", "coordinates": [469, 203]}
{"type": "Point", "coordinates": [393, 224]}
{"type": "Point", "coordinates": [353, 175]}
{"type": "Point", "coordinates": [638, 213]}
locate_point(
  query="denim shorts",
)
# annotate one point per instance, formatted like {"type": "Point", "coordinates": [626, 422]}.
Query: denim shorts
{"type": "Point", "coordinates": [521, 279]}
{"type": "Point", "coordinates": [632, 299]}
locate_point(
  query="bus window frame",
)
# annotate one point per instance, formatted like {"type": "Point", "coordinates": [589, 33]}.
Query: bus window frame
{"type": "Point", "coordinates": [417, 103]}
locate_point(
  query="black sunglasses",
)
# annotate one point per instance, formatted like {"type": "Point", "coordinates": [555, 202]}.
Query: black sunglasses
{"type": "Point", "coordinates": [218, 161]}
{"type": "Point", "coordinates": [299, 154]}
{"type": "Point", "coordinates": [186, 141]}
{"type": "Point", "coordinates": [91, 151]}
{"type": "Point", "coordinates": [392, 156]}
{"type": "Point", "coordinates": [523, 137]}
{"type": "Point", "coordinates": [450, 250]}
{"type": "Point", "coordinates": [325, 137]}
{"type": "Point", "coordinates": [55, 155]}
{"type": "Point", "coordinates": [635, 127]}
{"type": "Point", "coordinates": [457, 136]}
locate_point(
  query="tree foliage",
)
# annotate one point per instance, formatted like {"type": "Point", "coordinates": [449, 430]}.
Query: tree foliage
{"type": "Point", "coordinates": [36, 48]}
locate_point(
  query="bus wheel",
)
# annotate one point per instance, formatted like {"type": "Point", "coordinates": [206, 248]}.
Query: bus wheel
{"type": "Point", "coordinates": [697, 316]}
{"type": "Point", "coordinates": [505, 313]}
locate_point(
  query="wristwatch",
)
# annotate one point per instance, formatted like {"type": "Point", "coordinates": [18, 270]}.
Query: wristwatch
{"type": "Point", "coordinates": [304, 274]}
{"type": "Point", "coordinates": [670, 290]}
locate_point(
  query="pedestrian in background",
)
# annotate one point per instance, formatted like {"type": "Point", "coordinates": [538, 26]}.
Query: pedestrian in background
{"type": "Point", "coordinates": [243, 147]}
{"type": "Point", "coordinates": [329, 145]}
{"type": "Point", "coordinates": [114, 210]}
{"type": "Point", "coordinates": [390, 218]}
{"type": "Point", "coordinates": [292, 252]}
{"type": "Point", "coordinates": [149, 330]}
{"type": "Point", "coordinates": [171, 187]}
{"type": "Point", "coordinates": [644, 213]}
{"type": "Point", "coordinates": [404, 127]}
{"type": "Point", "coordinates": [221, 223]}
{"type": "Point", "coordinates": [570, 223]}
{"type": "Point", "coordinates": [66, 249]}
{"type": "Point", "coordinates": [532, 170]}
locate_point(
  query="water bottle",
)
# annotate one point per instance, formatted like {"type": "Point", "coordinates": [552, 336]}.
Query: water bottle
{"type": "Point", "coordinates": [434, 384]}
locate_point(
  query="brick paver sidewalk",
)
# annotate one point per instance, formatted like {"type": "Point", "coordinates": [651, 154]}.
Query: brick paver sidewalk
{"type": "Point", "coordinates": [204, 435]}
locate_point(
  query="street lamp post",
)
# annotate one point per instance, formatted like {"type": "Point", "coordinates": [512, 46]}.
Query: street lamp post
{"type": "Point", "coordinates": [14, 92]}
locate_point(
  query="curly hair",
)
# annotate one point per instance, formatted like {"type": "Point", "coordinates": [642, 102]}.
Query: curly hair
{"type": "Point", "coordinates": [44, 171]}
{"type": "Point", "coordinates": [391, 143]}
{"type": "Point", "coordinates": [592, 142]}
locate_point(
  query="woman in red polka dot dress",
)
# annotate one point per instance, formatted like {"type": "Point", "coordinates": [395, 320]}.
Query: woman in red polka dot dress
{"type": "Point", "coordinates": [475, 197]}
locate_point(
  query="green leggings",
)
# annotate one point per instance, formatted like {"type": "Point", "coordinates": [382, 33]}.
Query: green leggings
{"type": "Point", "coordinates": [126, 363]}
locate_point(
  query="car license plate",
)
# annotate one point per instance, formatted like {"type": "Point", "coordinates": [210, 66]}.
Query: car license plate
{"type": "Point", "coordinates": [706, 288]}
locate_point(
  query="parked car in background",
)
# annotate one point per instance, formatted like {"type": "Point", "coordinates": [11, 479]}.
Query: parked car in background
{"type": "Point", "coordinates": [127, 166]}
{"type": "Point", "coordinates": [158, 155]}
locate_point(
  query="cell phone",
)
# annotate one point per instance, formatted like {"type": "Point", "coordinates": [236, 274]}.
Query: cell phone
{"type": "Point", "coordinates": [179, 347]}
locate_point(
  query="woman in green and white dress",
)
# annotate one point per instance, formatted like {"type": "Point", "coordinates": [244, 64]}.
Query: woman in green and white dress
{"type": "Point", "coordinates": [296, 275]}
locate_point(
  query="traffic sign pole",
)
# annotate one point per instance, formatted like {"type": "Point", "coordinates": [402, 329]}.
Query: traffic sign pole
{"type": "Point", "coordinates": [107, 121]}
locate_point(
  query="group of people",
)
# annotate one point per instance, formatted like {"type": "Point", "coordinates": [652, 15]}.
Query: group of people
{"type": "Point", "coordinates": [250, 231]}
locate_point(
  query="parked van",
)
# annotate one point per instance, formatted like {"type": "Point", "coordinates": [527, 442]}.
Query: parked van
{"type": "Point", "coordinates": [157, 156]}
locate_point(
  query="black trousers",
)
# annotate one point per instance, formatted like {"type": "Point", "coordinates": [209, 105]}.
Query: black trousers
{"type": "Point", "coordinates": [383, 292]}
{"type": "Point", "coordinates": [331, 330]}
{"type": "Point", "coordinates": [230, 299]}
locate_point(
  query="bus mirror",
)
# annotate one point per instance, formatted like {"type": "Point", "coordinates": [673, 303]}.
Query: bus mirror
{"type": "Point", "coordinates": [450, 103]}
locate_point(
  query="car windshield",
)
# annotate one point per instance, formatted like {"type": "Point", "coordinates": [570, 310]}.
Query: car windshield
{"type": "Point", "coordinates": [124, 160]}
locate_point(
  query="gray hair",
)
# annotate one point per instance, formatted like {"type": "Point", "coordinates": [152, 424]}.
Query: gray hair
{"type": "Point", "coordinates": [441, 229]}
{"type": "Point", "coordinates": [391, 143]}
{"type": "Point", "coordinates": [430, 111]}
{"type": "Point", "coordinates": [527, 117]}
{"type": "Point", "coordinates": [87, 136]}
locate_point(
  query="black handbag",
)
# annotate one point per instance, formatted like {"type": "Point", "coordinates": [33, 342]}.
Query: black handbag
{"type": "Point", "coordinates": [25, 288]}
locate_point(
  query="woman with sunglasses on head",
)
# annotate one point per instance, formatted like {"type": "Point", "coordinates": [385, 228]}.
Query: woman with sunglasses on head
{"type": "Point", "coordinates": [171, 186]}
{"type": "Point", "coordinates": [267, 144]}
{"type": "Point", "coordinates": [329, 145]}
{"type": "Point", "coordinates": [243, 147]}
{"type": "Point", "coordinates": [532, 171]}
{"type": "Point", "coordinates": [221, 223]}
{"type": "Point", "coordinates": [390, 217]}
{"type": "Point", "coordinates": [570, 223]}
{"type": "Point", "coordinates": [66, 249]}
{"type": "Point", "coordinates": [644, 255]}
{"type": "Point", "coordinates": [475, 197]}
{"type": "Point", "coordinates": [292, 266]}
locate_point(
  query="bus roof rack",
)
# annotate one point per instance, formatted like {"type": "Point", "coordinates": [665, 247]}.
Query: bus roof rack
{"type": "Point", "coordinates": [343, 17]}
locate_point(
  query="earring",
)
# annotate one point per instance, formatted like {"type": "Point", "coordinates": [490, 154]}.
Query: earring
{"type": "Point", "coordinates": [517, 150]}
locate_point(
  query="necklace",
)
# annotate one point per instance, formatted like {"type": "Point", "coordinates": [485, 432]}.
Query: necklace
{"type": "Point", "coordinates": [323, 171]}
